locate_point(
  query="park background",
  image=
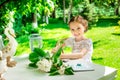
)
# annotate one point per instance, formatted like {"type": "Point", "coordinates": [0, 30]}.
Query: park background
{"type": "Point", "coordinates": [49, 18]}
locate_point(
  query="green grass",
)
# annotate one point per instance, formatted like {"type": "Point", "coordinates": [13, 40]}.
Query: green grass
{"type": "Point", "coordinates": [106, 47]}
{"type": "Point", "coordinates": [105, 41]}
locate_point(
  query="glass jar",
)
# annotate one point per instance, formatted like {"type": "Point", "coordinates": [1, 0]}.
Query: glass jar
{"type": "Point", "coordinates": [35, 41]}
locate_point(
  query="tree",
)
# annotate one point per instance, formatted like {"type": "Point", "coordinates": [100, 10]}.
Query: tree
{"type": "Point", "coordinates": [64, 17]}
{"type": "Point", "coordinates": [70, 10]}
{"type": "Point", "coordinates": [48, 7]}
{"type": "Point", "coordinates": [117, 10]}
{"type": "Point", "coordinates": [25, 8]}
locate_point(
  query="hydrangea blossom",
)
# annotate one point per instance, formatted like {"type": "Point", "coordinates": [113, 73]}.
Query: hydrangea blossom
{"type": "Point", "coordinates": [49, 63]}
{"type": "Point", "coordinates": [44, 65]}
{"type": "Point", "coordinates": [61, 70]}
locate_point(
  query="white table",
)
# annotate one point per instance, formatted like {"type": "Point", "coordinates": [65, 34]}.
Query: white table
{"type": "Point", "coordinates": [23, 72]}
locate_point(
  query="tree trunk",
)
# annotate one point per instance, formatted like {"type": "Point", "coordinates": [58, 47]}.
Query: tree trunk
{"type": "Point", "coordinates": [117, 11]}
{"type": "Point", "coordinates": [47, 19]}
{"type": "Point", "coordinates": [54, 13]}
{"type": "Point", "coordinates": [90, 1]}
{"type": "Point", "coordinates": [64, 17]}
{"type": "Point", "coordinates": [34, 20]}
{"type": "Point", "coordinates": [70, 11]}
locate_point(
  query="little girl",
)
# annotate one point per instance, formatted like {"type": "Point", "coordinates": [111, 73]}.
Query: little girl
{"type": "Point", "coordinates": [82, 47]}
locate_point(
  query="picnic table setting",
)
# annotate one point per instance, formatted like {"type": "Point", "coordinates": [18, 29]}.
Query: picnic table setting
{"type": "Point", "coordinates": [42, 65]}
{"type": "Point", "coordinates": [23, 72]}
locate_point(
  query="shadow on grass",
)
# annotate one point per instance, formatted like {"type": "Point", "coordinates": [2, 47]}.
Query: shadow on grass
{"type": "Point", "coordinates": [95, 43]}
{"type": "Point", "coordinates": [107, 22]}
{"type": "Point", "coordinates": [116, 34]}
{"type": "Point", "coordinates": [56, 23]}
{"type": "Point", "coordinates": [99, 58]}
{"type": "Point", "coordinates": [100, 43]}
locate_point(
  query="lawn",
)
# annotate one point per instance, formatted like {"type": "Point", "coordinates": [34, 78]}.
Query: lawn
{"type": "Point", "coordinates": [105, 42]}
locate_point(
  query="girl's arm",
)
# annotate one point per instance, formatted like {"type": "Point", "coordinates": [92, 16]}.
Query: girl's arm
{"type": "Point", "coordinates": [74, 55]}
{"type": "Point", "coordinates": [58, 45]}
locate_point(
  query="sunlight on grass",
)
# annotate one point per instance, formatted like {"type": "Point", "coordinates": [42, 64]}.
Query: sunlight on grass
{"type": "Point", "coordinates": [50, 37]}
{"type": "Point", "coordinates": [23, 45]}
{"type": "Point", "coordinates": [55, 33]}
{"type": "Point", "coordinates": [106, 47]}
{"type": "Point", "coordinates": [23, 48]}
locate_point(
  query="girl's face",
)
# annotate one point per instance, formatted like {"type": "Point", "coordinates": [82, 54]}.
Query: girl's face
{"type": "Point", "coordinates": [77, 29]}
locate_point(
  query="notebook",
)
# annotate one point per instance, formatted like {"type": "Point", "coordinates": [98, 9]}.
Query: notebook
{"type": "Point", "coordinates": [80, 65]}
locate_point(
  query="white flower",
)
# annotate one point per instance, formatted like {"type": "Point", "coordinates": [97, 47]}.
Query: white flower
{"type": "Point", "coordinates": [62, 69]}
{"type": "Point", "coordinates": [44, 65]}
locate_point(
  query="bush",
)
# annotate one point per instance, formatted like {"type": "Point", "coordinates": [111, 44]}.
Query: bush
{"type": "Point", "coordinates": [26, 30]}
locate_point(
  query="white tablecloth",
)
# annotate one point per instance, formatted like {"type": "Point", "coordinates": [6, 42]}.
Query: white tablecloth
{"type": "Point", "coordinates": [22, 72]}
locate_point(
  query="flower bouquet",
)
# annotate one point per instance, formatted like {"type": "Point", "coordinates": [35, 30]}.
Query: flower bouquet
{"type": "Point", "coordinates": [46, 62]}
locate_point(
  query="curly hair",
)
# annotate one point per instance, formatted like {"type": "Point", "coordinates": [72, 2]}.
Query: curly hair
{"type": "Point", "coordinates": [80, 20]}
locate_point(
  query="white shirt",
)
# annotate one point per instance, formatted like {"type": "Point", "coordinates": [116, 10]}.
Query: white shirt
{"type": "Point", "coordinates": [78, 46]}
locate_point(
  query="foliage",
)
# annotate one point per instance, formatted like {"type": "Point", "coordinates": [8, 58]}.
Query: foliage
{"type": "Point", "coordinates": [60, 3]}
{"type": "Point", "coordinates": [41, 59]}
{"type": "Point", "coordinates": [22, 11]}
{"type": "Point", "coordinates": [38, 54]}
{"type": "Point", "coordinates": [106, 3]}
{"type": "Point", "coordinates": [87, 10]}
{"type": "Point", "coordinates": [48, 7]}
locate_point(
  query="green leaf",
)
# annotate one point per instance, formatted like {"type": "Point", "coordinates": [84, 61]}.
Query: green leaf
{"type": "Point", "coordinates": [53, 69]}
{"type": "Point", "coordinates": [56, 56]}
{"type": "Point", "coordinates": [60, 63]}
{"type": "Point", "coordinates": [54, 73]}
{"type": "Point", "coordinates": [58, 53]}
{"type": "Point", "coordinates": [34, 57]}
{"type": "Point", "coordinates": [47, 55]}
{"type": "Point", "coordinates": [41, 53]}
{"type": "Point", "coordinates": [69, 71]}
{"type": "Point", "coordinates": [33, 65]}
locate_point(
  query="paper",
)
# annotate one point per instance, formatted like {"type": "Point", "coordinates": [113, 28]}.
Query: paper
{"type": "Point", "coordinates": [80, 65]}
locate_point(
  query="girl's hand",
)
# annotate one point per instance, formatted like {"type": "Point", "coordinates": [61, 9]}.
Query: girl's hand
{"type": "Point", "coordinates": [54, 50]}
{"type": "Point", "coordinates": [59, 44]}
